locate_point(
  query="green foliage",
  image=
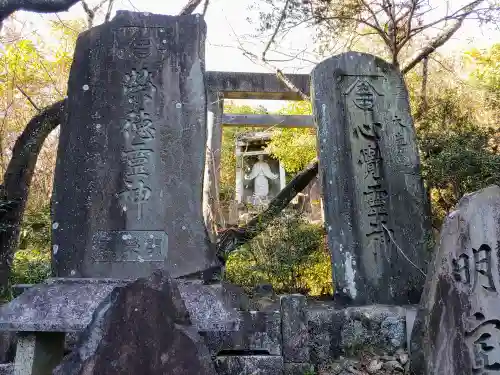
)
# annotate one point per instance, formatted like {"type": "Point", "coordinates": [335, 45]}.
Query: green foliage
{"type": "Point", "coordinates": [30, 267]}
{"type": "Point", "coordinates": [31, 263]}
{"type": "Point", "coordinates": [290, 254]}
{"type": "Point", "coordinates": [459, 153]}
{"type": "Point", "coordinates": [487, 72]}
{"type": "Point", "coordinates": [36, 230]}
{"type": "Point", "coordinates": [294, 147]}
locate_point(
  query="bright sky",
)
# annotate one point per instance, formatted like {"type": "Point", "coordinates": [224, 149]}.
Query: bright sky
{"type": "Point", "coordinates": [228, 27]}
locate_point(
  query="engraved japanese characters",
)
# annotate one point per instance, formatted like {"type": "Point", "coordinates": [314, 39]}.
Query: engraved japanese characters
{"type": "Point", "coordinates": [127, 188]}
{"type": "Point", "coordinates": [374, 200]}
{"type": "Point", "coordinates": [457, 330]}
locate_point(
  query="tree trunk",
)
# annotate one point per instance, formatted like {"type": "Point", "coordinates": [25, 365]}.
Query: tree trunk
{"type": "Point", "coordinates": [231, 238]}
{"type": "Point", "coordinates": [17, 181]}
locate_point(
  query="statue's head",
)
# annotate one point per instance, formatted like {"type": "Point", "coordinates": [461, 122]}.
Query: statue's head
{"type": "Point", "coordinates": [260, 157]}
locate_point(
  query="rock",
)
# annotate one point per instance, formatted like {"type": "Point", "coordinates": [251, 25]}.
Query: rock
{"type": "Point", "coordinates": [457, 329]}
{"type": "Point", "coordinates": [249, 365]}
{"type": "Point", "coordinates": [263, 290]}
{"type": "Point", "coordinates": [212, 307]}
{"type": "Point", "coordinates": [374, 366]}
{"type": "Point", "coordinates": [128, 180]}
{"type": "Point", "coordinates": [299, 369]}
{"type": "Point", "coordinates": [257, 333]}
{"type": "Point", "coordinates": [367, 157]}
{"type": "Point", "coordinates": [7, 346]}
{"type": "Point", "coordinates": [393, 365]}
{"type": "Point", "coordinates": [140, 328]}
{"type": "Point", "coordinates": [403, 358]}
{"type": "Point", "coordinates": [294, 328]}
{"type": "Point", "coordinates": [7, 369]}
{"type": "Point", "coordinates": [337, 332]}
{"type": "Point", "coordinates": [387, 358]}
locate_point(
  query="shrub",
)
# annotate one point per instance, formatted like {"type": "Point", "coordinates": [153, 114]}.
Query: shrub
{"type": "Point", "coordinates": [290, 254]}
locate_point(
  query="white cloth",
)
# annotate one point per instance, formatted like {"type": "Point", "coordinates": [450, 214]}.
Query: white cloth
{"type": "Point", "coordinates": [260, 173]}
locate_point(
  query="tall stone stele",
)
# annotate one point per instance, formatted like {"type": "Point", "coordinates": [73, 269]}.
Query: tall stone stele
{"type": "Point", "coordinates": [128, 181]}
{"type": "Point", "coordinates": [457, 329]}
{"type": "Point", "coordinates": [376, 211]}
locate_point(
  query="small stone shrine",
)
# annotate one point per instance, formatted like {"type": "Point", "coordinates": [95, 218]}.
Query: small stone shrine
{"type": "Point", "coordinates": [457, 330]}
{"type": "Point", "coordinates": [259, 178]}
{"type": "Point", "coordinates": [376, 211]}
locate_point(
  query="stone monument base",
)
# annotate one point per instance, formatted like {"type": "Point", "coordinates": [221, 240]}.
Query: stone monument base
{"type": "Point", "coordinates": [289, 338]}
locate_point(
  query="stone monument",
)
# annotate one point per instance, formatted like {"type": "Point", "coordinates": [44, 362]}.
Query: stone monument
{"type": "Point", "coordinates": [457, 329]}
{"type": "Point", "coordinates": [128, 180]}
{"type": "Point", "coordinates": [376, 211]}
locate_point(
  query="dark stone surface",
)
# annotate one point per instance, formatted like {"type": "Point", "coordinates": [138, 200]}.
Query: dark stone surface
{"type": "Point", "coordinates": [373, 192]}
{"type": "Point", "coordinates": [7, 369]}
{"type": "Point", "coordinates": [213, 307]}
{"type": "Point", "coordinates": [57, 305]}
{"type": "Point", "coordinates": [140, 328]}
{"type": "Point", "coordinates": [244, 85]}
{"type": "Point", "coordinates": [457, 329]}
{"type": "Point", "coordinates": [67, 305]}
{"type": "Point", "coordinates": [298, 369]}
{"type": "Point", "coordinates": [128, 180]}
{"type": "Point", "coordinates": [257, 333]}
{"type": "Point", "coordinates": [7, 346]}
{"type": "Point", "coordinates": [294, 328]}
{"type": "Point", "coordinates": [335, 333]}
{"type": "Point", "coordinates": [249, 365]}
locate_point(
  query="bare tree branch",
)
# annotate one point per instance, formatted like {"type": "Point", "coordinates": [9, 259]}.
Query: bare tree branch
{"type": "Point", "coordinates": [205, 7]}
{"type": "Point", "coordinates": [440, 39]}
{"type": "Point", "coordinates": [17, 180]}
{"type": "Point", "coordinates": [108, 12]}
{"type": "Point", "coordinates": [230, 239]}
{"type": "Point", "coordinates": [28, 98]}
{"type": "Point", "coordinates": [190, 7]}
{"type": "Point", "coordinates": [276, 30]}
{"type": "Point", "coordinates": [90, 14]}
{"type": "Point", "coordinates": [7, 7]}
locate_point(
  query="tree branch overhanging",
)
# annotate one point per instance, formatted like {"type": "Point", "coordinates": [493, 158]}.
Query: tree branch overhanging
{"type": "Point", "coordinates": [440, 39]}
{"type": "Point", "coordinates": [17, 180]}
{"type": "Point", "coordinates": [190, 7]}
{"type": "Point", "coordinates": [232, 238]}
{"type": "Point", "coordinates": [7, 7]}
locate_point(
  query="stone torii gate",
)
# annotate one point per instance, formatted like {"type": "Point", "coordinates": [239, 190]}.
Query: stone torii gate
{"type": "Point", "coordinates": [233, 85]}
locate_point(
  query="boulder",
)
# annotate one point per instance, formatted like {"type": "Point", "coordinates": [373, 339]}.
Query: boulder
{"type": "Point", "coordinates": [140, 328]}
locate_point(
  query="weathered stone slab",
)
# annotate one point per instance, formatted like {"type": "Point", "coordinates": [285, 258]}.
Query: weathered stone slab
{"type": "Point", "coordinates": [294, 328]}
{"type": "Point", "coordinates": [140, 328]}
{"type": "Point", "coordinates": [128, 181]}
{"type": "Point", "coordinates": [336, 333]}
{"type": "Point", "coordinates": [457, 329]}
{"type": "Point", "coordinates": [213, 307]}
{"type": "Point", "coordinates": [57, 305]}
{"type": "Point", "coordinates": [257, 333]}
{"type": "Point", "coordinates": [249, 365]}
{"type": "Point", "coordinates": [374, 200]}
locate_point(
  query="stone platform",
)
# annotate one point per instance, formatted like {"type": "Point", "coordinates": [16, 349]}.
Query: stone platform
{"type": "Point", "coordinates": [290, 339]}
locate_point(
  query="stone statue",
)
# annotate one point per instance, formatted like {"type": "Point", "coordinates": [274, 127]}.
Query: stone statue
{"type": "Point", "coordinates": [260, 173]}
